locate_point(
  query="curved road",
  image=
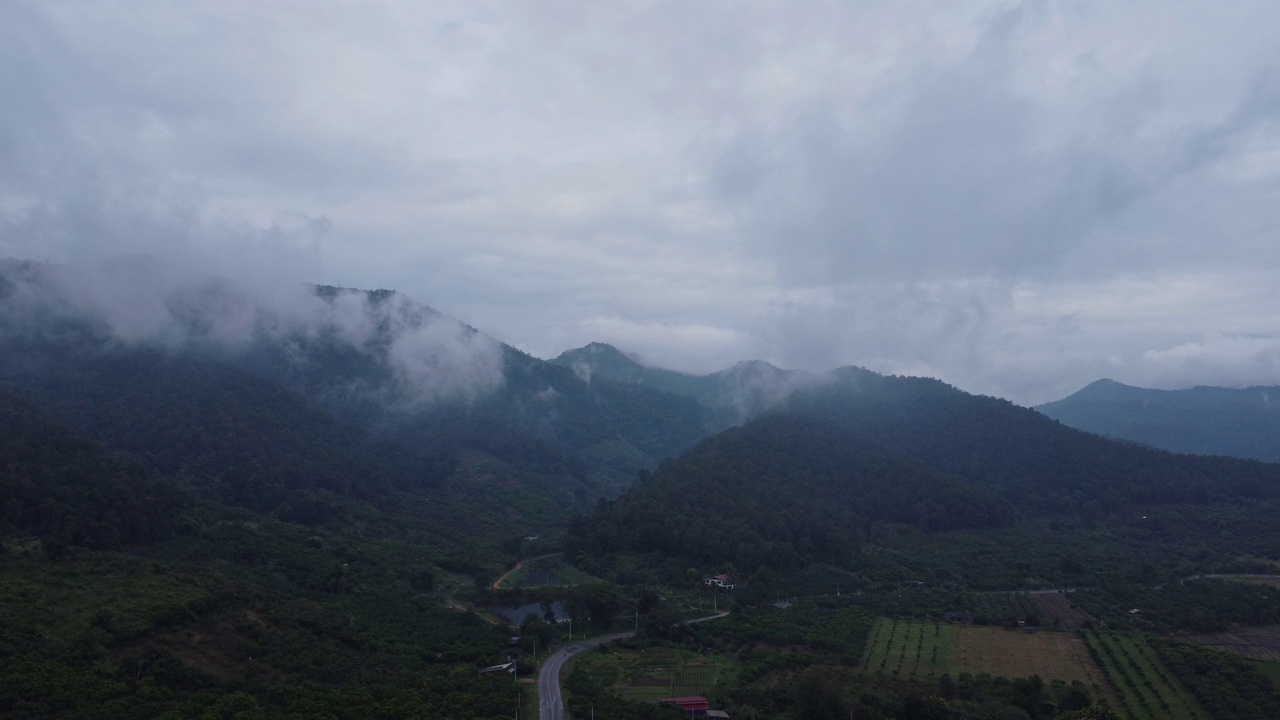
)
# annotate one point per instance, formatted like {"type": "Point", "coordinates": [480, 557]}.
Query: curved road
{"type": "Point", "coordinates": [550, 702]}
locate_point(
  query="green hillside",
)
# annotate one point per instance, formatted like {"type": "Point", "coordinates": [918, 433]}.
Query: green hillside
{"type": "Point", "coordinates": [781, 492]}
{"type": "Point", "coordinates": [70, 491]}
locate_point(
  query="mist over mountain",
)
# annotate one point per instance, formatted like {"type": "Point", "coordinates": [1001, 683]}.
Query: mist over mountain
{"type": "Point", "coordinates": [257, 394]}
{"type": "Point", "coordinates": [737, 393]}
{"type": "Point", "coordinates": [1202, 420]}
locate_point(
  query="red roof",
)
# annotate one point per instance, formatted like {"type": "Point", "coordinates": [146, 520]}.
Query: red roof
{"type": "Point", "coordinates": [694, 702]}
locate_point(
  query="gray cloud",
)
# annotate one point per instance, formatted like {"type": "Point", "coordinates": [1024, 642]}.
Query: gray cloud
{"type": "Point", "coordinates": [1015, 196]}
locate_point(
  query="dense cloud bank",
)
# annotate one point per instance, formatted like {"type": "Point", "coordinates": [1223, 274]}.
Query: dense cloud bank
{"type": "Point", "coordinates": [1018, 197]}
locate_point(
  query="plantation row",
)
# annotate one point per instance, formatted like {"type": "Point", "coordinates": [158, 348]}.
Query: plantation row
{"type": "Point", "coordinates": [1147, 692]}
{"type": "Point", "coordinates": [910, 649]}
{"type": "Point", "coordinates": [1231, 685]}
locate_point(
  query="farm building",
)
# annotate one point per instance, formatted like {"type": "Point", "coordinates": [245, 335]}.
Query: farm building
{"type": "Point", "coordinates": [693, 704]}
{"type": "Point", "coordinates": [720, 581]}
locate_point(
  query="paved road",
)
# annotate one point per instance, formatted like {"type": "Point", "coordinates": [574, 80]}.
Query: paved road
{"type": "Point", "coordinates": [550, 702]}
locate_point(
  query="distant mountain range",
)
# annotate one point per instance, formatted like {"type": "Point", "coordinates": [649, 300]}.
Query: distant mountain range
{"type": "Point", "coordinates": [324, 392]}
{"type": "Point", "coordinates": [1241, 423]}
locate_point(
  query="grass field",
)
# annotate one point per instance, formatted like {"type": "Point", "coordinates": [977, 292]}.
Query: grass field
{"type": "Point", "coordinates": [1146, 688]}
{"type": "Point", "coordinates": [919, 649]}
{"type": "Point", "coordinates": [1012, 653]}
{"type": "Point", "coordinates": [652, 674]}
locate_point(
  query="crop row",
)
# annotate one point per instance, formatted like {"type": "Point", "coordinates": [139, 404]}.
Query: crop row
{"type": "Point", "coordinates": [1146, 689]}
{"type": "Point", "coordinates": [919, 648]}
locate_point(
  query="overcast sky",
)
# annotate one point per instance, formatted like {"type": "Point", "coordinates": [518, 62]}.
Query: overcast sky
{"type": "Point", "coordinates": [1015, 197]}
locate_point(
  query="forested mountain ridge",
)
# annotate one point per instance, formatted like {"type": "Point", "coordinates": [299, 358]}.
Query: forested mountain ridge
{"type": "Point", "coordinates": [1036, 463]}
{"type": "Point", "coordinates": [808, 480]}
{"type": "Point", "coordinates": [1242, 423]}
{"type": "Point", "coordinates": [352, 392]}
{"type": "Point", "coordinates": [781, 491]}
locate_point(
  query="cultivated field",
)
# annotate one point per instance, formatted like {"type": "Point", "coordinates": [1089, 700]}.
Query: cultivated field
{"type": "Point", "coordinates": [1257, 643]}
{"type": "Point", "coordinates": [1011, 653]}
{"type": "Point", "coordinates": [908, 648]}
{"type": "Point", "coordinates": [1146, 688]}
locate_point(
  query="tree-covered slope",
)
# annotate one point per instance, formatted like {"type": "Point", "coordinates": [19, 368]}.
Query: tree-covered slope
{"type": "Point", "coordinates": [1242, 423]}
{"type": "Point", "coordinates": [1036, 463]}
{"type": "Point", "coordinates": [332, 390]}
{"type": "Point", "coordinates": [69, 490]}
{"type": "Point", "coordinates": [781, 491]}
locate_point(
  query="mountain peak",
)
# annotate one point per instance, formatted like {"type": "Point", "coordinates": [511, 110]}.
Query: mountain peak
{"type": "Point", "coordinates": [600, 357]}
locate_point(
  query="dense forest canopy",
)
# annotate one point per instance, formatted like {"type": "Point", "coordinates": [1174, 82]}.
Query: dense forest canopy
{"type": "Point", "coordinates": [70, 490]}
{"type": "Point", "coordinates": [781, 491]}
